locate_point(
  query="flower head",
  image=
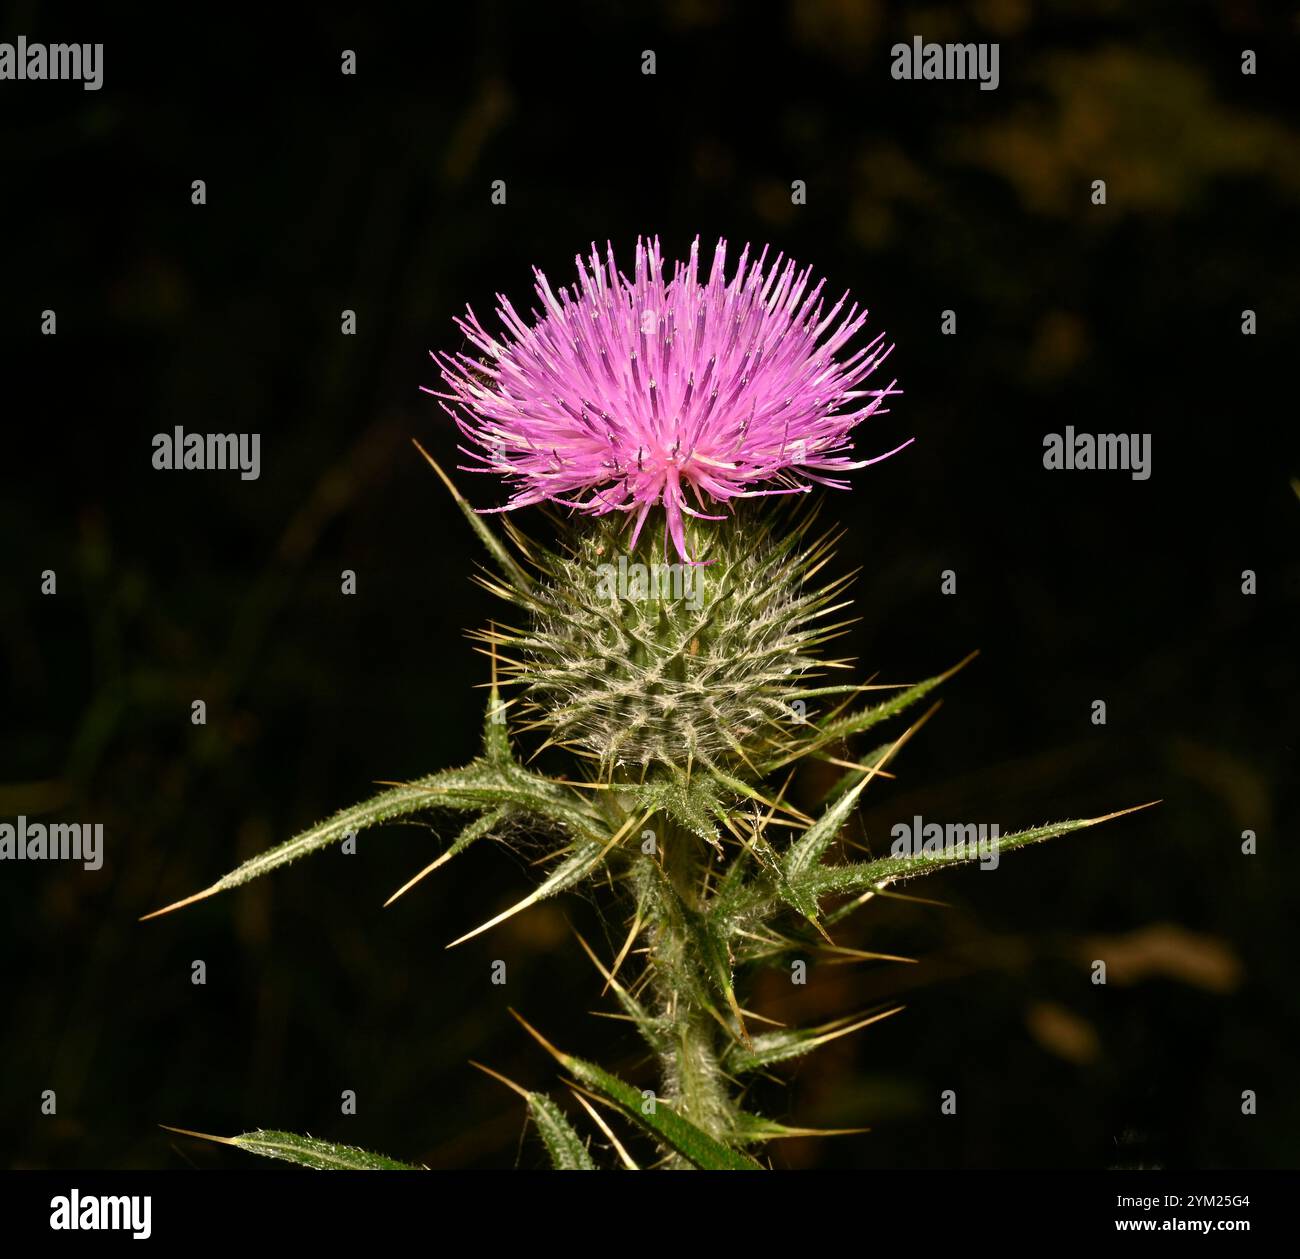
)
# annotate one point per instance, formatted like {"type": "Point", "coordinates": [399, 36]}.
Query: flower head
{"type": "Point", "coordinates": [627, 393]}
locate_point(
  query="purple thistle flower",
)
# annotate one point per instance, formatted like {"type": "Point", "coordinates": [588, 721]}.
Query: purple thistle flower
{"type": "Point", "coordinates": [627, 393]}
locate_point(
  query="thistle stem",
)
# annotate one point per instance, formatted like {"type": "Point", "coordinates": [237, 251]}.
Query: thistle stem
{"type": "Point", "coordinates": [693, 1082]}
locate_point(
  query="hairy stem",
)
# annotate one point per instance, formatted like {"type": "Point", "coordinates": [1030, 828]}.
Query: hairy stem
{"type": "Point", "coordinates": [693, 1080]}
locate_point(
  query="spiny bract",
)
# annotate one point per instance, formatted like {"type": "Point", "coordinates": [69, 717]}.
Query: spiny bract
{"type": "Point", "coordinates": [637, 662]}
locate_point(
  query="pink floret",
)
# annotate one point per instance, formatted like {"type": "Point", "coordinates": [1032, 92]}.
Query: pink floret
{"type": "Point", "coordinates": [622, 394]}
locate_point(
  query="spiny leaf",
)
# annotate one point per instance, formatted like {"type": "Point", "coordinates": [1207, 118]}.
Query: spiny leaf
{"type": "Point", "coordinates": [692, 1143]}
{"type": "Point", "coordinates": [693, 804]}
{"type": "Point", "coordinates": [856, 723]}
{"type": "Point", "coordinates": [585, 857]}
{"type": "Point", "coordinates": [777, 949]}
{"type": "Point", "coordinates": [773, 869]}
{"type": "Point", "coordinates": [479, 785]}
{"type": "Point", "coordinates": [388, 805]}
{"type": "Point", "coordinates": [744, 789]}
{"type": "Point", "coordinates": [840, 912]}
{"type": "Point", "coordinates": [859, 876]}
{"type": "Point", "coordinates": [563, 1144]}
{"type": "Point", "coordinates": [780, 1046]}
{"type": "Point", "coordinates": [646, 1024]}
{"type": "Point", "coordinates": [496, 548]}
{"type": "Point", "coordinates": [805, 854]}
{"type": "Point", "coordinates": [835, 729]}
{"type": "Point", "coordinates": [600, 1123]}
{"type": "Point", "coordinates": [578, 865]}
{"type": "Point", "coordinates": [876, 757]}
{"type": "Point", "coordinates": [475, 830]}
{"type": "Point", "coordinates": [323, 1156]}
{"type": "Point", "coordinates": [751, 1129]}
{"type": "Point", "coordinates": [567, 1150]}
{"type": "Point", "coordinates": [485, 784]}
{"type": "Point", "coordinates": [496, 738]}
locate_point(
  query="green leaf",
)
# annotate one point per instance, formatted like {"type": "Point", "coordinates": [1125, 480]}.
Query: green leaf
{"type": "Point", "coordinates": [789, 1042]}
{"type": "Point", "coordinates": [479, 785]}
{"type": "Point", "coordinates": [678, 1134]}
{"type": "Point", "coordinates": [751, 1129]}
{"type": "Point", "coordinates": [322, 1156]}
{"type": "Point", "coordinates": [803, 855]}
{"type": "Point", "coordinates": [836, 729]}
{"type": "Point", "coordinates": [876, 757]}
{"type": "Point", "coordinates": [480, 827]}
{"type": "Point", "coordinates": [495, 547]}
{"type": "Point", "coordinates": [580, 863]}
{"type": "Point", "coordinates": [567, 1149]}
{"type": "Point", "coordinates": [806, 852]}
{"type": "Point", "coordinates": [693, 804]}
{"type": "Point", "coordinates": [397, 802]}
{"type": "Point", "coordinates": [496, 736]}
{"type": "Point", "coordinates": [486, 784]}
{"type": "Point", "coordinates": [650, 1027]}
{"type": "Point", "coordinates": [736, 895]}
{"type": "Point", "coordinates": [866, 875]}
{"type": "Point", "coordinates": [739, 787]}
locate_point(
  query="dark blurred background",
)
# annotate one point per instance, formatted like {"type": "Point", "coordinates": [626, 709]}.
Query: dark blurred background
{"type": "Point", "coordinates": [373, 193]}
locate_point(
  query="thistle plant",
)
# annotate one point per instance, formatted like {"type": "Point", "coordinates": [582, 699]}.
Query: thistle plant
{"type": "Point", "coordinates": [646, 418]}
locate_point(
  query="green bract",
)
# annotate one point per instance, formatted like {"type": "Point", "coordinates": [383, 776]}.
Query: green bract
{"type": "Point", "coordinates": [646, 665]}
